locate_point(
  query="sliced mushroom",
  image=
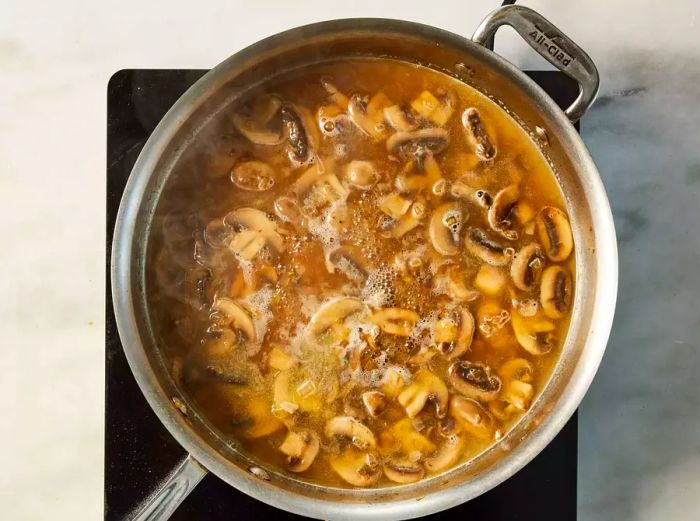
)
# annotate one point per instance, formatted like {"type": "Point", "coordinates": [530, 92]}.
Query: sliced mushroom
{"type": "Point", "coordinates": [501, 215]}
{"type": "Point", "coordinates": [527, 267]}
{"type": "Point", "coordinates": [555, 291]}
{"type": "Point", "coordinates": [394, 380]}
{"type": "Point", "coordinates": [255, 127]}
{"type": "Point", "coordinates": [477, 135]}
{"type": "Point", "coordinates": [395, 321]}
{"type": "Point", "coordinates": [350, 260]}
{"type": "Point", "coordinates": [456, 344]}
{"type": "Point", "coordinates": [473, 418]}
{"type": "Point", "coordinates": [432, 140]}
{"type": "Point", "coordinates": [403, 470]}
{"type": "Point", "coordinates": [452, 284]}
{"type": "Point", "coordinates": [240, 373]}
{"type": "Point", "coordinates": [447, 455]}
{"type": "Point", "coordinates": [361, 174]}
{"type": "Point", "coordinates": [554, 231]}
{"type": "Point", "coordinates": [254, 176]}
{"type": "Point", "coordinates": [461, 190]}
{"type": "Point", "coordinates": [230, 313]}
{"type": "Point", "coordinates": [516, 369]}
{"type": "Point", "coordinates": [401, 118]}
{"type": "Point", "coordinates": [534, 334]}
{"type": "Point", "coordinates": [332, 312]}
{"type": "Point", "coordinates": [358, 468]}
{"type": "Point", "coordinates": [288, 210]}
{"type": "Point", "coordinates": [445, 228]}
{"type": "Point", "coordinates": [474, 380]}
{"type": "Point", "coordinates": [256, 222]}
{"type": "Point", "coordinates": [279, 360]}
{"type": "Point", "coordinates": [357, 109]}
{"type": "Point", "coordinates": [301, 448]}
{"type": "Point", "coordinates": [375, 402]}
{"type": "Point", "coordinates": [425, 386]}
{"type": "Point", "coordinates": [349, 427]}
{"type": "Point", "coordinates": [482, 246]}
{"type": "Point", "coordinates": [298, 137]}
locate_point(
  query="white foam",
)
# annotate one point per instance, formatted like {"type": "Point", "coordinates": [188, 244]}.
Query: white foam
{"type": "Point", "coordinates": [259, 305]}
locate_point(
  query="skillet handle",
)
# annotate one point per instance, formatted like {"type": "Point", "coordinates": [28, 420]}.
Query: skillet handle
{"type": "Point", "coordinates": [553, 45]}
{"type": "Point", "coordinates": [172, 491]}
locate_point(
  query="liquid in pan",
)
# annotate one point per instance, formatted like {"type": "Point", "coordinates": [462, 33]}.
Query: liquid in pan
{"type": "Point", "coordinates": [367, 276]}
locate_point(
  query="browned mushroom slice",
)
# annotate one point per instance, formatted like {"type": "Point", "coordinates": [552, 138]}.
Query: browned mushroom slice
{"type": "Point", "coordinates": [445, 228]}
{"type": "Point", "coordinates": [555, 291]}
{"type": "Point", "coordinates": [403, 470]}
{"type": "Point", "coordinates": [482, 246]}
{"type": "Point", "coordinates": [473, 418]}
{"type": "Point", "coordinates": [358, 468]}
{"type": "Point", "coordinates": [554, 231]}
{"type": "Point", "coordinates": [534, 334]}
{"type": "Point", "coordinates": [433, 140]}
{"type": "Point", "coordinates": [474, 380]}
{"type": "Point", "coordinates": [298, 137]}
{"type": "Point", "coordinates": [477, 135]}
{"type": "Point", "coordinates": [254, 176]}
{"type": "Point", "coordinates": [527, 266]}
{"type": "Point", "coordinates": [501, 214]}
{"type": "Point", "coordinates": [357, 108]}
{"type": "Point", "coordinates": [401, 118]}
{"type": "Point", "coordinates": [301, 449]}
{"type": "Point", "coordinates": [454, 333]}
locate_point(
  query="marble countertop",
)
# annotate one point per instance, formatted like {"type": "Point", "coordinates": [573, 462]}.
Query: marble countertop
{"type": "Point", "coordinates": [639, 455]}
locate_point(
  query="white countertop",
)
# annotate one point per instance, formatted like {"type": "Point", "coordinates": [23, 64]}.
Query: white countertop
{"type": "Point", "coordinates": [640, 423]}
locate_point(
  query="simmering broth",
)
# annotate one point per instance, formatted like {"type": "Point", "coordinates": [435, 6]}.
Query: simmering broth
{"type": "Point", "coordinates": [364, 275]}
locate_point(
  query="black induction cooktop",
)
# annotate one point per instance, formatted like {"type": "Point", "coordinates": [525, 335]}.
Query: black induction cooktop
{"type": "Point", "coordinates": [139, 451]}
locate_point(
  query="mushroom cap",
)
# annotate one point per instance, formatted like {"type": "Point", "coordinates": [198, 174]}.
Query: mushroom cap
{"type": "Point", "coordinates": [474, 380]}
{"type": "Point", "coordinates": [556, 291]}
{"type": "Point", "coordinates": [401, 118]}
{"type": "Point", "coordinates": [501, 213]}
{"type": "Point", "coordinates": [431, 139]}
{"type": "Point", "coordinates": [253, 176]}
{"type": "Point", "coordinates": [236, 316]}
{"type": "Point", "coordinates": [333, 311]}
{"type": "Point", "coordinates": [477, 135]}
{"type": "Point", "coordinates": [482, 246]}
{"type": "Point", "coordinates": [534, 334]}
{"type": "Point", "coordinates": [301, 449]}
{"type": "Point", "coordinates": [554, 231]}
{"type": "Point", "coordinates": [351, 428]}
{"type": "Point", "coordinates": [527, 266]}
{"type": "Point", "coordinates": [358, 468]}
{"type": "Point", "coordinates": [403, 470]}
{"type": "Point", "coordinates": [445, 227]}
{"type": "Point", "coordinates": [258, 222]}
{"type": "Point", "coordinates": [425, 386]}
{"type": "Point", "coordinates": [447, 455]}
{"type": "Point", "coordinates": [473, 418]}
